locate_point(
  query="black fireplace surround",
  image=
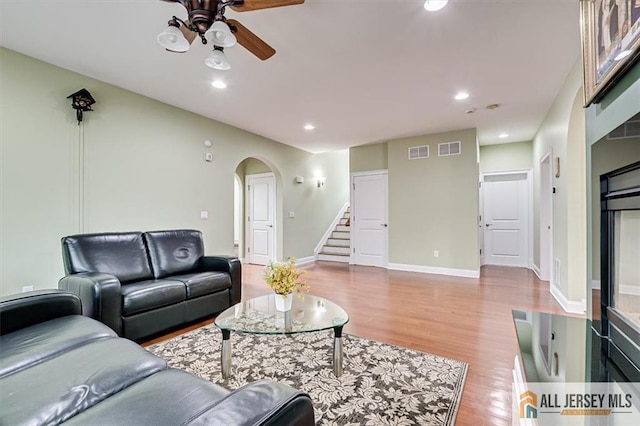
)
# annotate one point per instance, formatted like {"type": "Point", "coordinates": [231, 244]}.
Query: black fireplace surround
{"type": "Point", "coordinates": [620, 195]}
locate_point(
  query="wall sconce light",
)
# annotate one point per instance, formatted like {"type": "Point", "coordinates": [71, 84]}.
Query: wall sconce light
{"type": "Point", "coordinates": [321, 181]}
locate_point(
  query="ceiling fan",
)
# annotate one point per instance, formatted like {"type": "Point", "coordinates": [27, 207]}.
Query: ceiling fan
{"type": "Point", "coordinates": [206, 20]}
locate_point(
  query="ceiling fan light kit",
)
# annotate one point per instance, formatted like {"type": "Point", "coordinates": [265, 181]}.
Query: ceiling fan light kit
{"type": "Point", "coordinates": [173, 40]}
{"type": "Point", "coordinates": [205, 19]}
{"type": "Point", "coordinates": [217, 60]}
{"type": "Point", "coordinates": [220, 35]}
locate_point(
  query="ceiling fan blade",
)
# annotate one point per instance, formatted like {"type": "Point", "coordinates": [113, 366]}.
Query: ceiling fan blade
{"type": "Point", "coordinates": [248, 5]}
{"type": "Point", "coordinates": [188, 34]}
{"type": "Point", "coordinates": [250, 41]}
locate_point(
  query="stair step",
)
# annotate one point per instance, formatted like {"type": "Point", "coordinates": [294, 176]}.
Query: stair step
{"type": "Point", "coordinates": [341, 235]}
{"type": "Point", "coordinates": [342, 228]}
{"type": "Point", "coordinates": [335, 250]}
{"type": "Point", "coordinates": [346, 215]}
{"type": "Point", "coordinates": [343, 221]}
{"type": "Point", "coordinates": [339, 242]}
{"type": "Point", "coordinates": [333, 258]}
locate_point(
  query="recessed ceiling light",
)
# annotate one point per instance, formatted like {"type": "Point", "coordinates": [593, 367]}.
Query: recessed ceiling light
{"type": "Point", "coordinates": [622, 55]}
{"type": "Point", "coordinates": [433, 5]}
{"type": "Point", "coordinates": [503, 135]}
{"type": "Point", "coordinates": [461, 95]}
{"type": "Point", "coordinates": [309, 127]}
{"type": "Point", "coordinates": [219, 84]}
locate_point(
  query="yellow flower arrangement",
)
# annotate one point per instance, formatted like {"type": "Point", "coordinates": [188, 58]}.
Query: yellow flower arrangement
{"type": "Point", "coordinates": [284, 277]}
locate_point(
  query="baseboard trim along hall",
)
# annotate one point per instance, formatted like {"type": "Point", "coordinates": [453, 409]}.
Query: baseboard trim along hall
{"type": "Point", "coordinates": [536, 271]}
{"type": "Point", "coordinates": [570, 306]}
{"type": "Point", "coordinates": [467, 273]}
{"type": "Point", "coordinates": [305, 260]}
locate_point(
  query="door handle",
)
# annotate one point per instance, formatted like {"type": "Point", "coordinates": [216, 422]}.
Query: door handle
{"type": "Point", "coordinates": [487, 225]}
{"type": "Point", "coordinates": [385, 225]}
{"type": "Point", "coordinates": [270, 226]}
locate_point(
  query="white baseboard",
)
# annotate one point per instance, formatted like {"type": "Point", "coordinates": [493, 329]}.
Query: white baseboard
{"type": "Point", "coordinates": [595, 285]}
{"type": "Point", "coordinates": [570, 306]}
{"type": "Point", "coordinates": [305, 260]}
{"type": "Point", "coordinates": [536, 271]}
{"type": "Point", "coordinates": [633, 290]}
{"type": "Point", "coordinates": [467, 273]}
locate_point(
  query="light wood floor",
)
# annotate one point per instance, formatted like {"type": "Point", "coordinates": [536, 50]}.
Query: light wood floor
{"type": "Point", "coordinates": [462, 318]}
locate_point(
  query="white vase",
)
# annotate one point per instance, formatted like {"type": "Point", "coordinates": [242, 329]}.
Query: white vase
{"type": "Point", "coordinates": [283, 302]}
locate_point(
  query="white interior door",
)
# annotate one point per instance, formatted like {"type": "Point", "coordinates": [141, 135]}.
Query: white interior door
{"type": "Point", "coordinates": [370, 219]}
{"type": "Point", "coordinates": [506, 219]}
{"type": "Point", "coordinates": [261, 215]}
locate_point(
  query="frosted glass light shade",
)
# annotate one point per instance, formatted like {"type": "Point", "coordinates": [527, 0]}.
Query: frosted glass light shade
{"type": "Point", "coordinates": [217, 60]}
{"type": "Point", "coordinates": [172, 39]}
{"type": "Point", "coordinates": [220, 35]}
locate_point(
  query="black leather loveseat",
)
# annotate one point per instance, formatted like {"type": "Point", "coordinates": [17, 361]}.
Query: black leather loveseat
{"type": "Point", "coordinates": [59, 366]}
{"type": "Point", "coordinates": [141, 283]}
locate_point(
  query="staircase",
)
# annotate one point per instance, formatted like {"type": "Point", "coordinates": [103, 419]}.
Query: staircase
{"type": "Point", "coordinates": [338, 246]}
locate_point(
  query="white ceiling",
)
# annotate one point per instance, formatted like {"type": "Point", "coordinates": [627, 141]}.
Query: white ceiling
{"type": "Point", "coordinates": [361, 71]}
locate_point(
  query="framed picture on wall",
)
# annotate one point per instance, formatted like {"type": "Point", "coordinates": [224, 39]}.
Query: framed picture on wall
{"type": "Point", "coordinates": [610, 43]}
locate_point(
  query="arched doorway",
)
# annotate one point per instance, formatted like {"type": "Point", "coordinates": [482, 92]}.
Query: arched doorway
{"type": "Point", "coordinates": [258, 212]}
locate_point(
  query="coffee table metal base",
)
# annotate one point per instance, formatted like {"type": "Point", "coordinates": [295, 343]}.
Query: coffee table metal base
{"type": "Point", "coordinates": [225, 356]}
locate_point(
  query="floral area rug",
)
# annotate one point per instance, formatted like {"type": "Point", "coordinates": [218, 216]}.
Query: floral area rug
{"type": "Point", "coordinates": [381, 384]}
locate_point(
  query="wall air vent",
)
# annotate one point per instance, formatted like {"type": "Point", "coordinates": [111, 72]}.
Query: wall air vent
{"type": "Point", "coordinates": [417, 152]}
{"type": "Point", "coordinates": [449, 148]}
{"type": "Point", "coordinates": [630, 129]}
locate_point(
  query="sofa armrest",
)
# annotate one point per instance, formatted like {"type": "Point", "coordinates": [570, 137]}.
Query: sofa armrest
{"type": "Point", "coordinates": [230, 265]}
{"type": "Point", "coordinates": [262, 402]}
{"type": "Point", "coordinates": [23, 310]}
{"type": "Point", "coordinates": [100, 297]}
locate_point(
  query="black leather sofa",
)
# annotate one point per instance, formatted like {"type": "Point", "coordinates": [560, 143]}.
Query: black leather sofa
{"type": "Point", "coordinates": [142, 283]}
{"type": "Point", "coordinates": [59, 366]}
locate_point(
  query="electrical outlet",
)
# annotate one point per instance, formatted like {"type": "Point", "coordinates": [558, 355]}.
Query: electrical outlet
{"type": "Point", "coordinates": [27, 288]}
{"type": "Point", "coordinates": [436, 253]}
{"type": "Point", "coordinates": [204, 215]}
{"type": "Point", "coordinates": [292, 214]}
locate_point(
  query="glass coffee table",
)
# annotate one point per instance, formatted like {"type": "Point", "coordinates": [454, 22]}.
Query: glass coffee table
{"type": "Point", "coordinates": [259, 316]}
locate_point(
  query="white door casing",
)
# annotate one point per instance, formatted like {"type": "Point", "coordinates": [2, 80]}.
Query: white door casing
{"type": "Point", "coordinates": [369, 212]}
{"type": "Point", "coordinates": [506, 219]}
{"type": "Point", "coordinates": [261, 218]}
{"type": "Point", "coordinates": [546, 217]}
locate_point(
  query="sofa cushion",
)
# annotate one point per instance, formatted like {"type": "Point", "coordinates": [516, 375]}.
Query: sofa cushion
{"type": "Point", "coordinates": [179, 394]}
{"type": "Point", "coordinates": [29, 346]}
{"type": "Point", "coordinates": [173, 252]}
{"type": "Point", "coordinates": [59, 388]}
{"type": "Point", "coordinates": [202, 283]}
{"type": "Point", "coordinates": [151, 294]}
{"type": "Point", "coordinates": [121, 254]}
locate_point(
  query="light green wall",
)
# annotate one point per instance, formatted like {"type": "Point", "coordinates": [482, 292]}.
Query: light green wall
{"type": "Point", "coordinates": [366, 158]}
{"type": "Point", "coordinates": [433, 203]}
{"type": "Point", "coordinates": [142, 168]}
{"type": "Point", "coordinates": [253, 166]}
{"type": "Point", "coordinates": [506, 157]}
{"type": "Point", "coordinates": [606, 155]}
{"type": "Point", "coordinates": [562, 134]}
